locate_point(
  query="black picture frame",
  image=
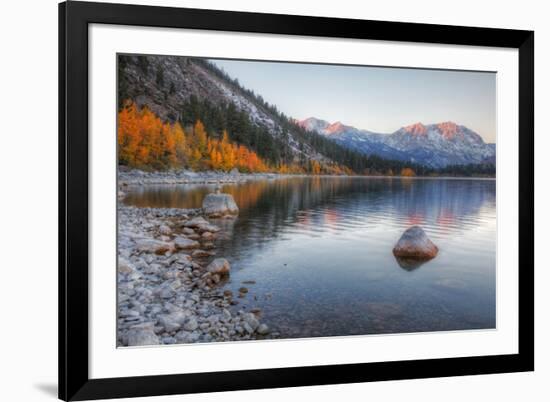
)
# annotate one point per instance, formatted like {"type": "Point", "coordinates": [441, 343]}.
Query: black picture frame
{"type": "Point", "coordinates": [74, 18]}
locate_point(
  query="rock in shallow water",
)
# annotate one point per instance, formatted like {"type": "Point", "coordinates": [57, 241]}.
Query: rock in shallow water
{"type": "Point", "coordinates": [414, 243]}
{"type": "Point", "coordinates": [219, 266]}
{"type": "Point", "coordinates": [219, 204]}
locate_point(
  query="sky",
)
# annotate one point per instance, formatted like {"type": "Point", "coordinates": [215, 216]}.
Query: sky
{"type": "Point", "coordinates": [378, 99]}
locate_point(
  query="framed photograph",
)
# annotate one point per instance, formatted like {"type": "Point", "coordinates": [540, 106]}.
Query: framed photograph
{"type": "Point", "coordinates": [257, 201]}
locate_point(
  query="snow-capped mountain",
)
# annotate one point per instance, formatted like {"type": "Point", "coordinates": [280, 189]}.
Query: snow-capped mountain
{"type": "Point", "coordinates": [435, 145]}
{"type": "Point", "coordinates": [364, 141]}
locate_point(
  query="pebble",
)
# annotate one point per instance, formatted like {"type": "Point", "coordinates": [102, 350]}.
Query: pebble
{"type": "Point", "coordinates": [165, 230]}
{"type": "Point", "coordinates": [191, 324]}
{"type": "Point", "coordinates": [263, 329]}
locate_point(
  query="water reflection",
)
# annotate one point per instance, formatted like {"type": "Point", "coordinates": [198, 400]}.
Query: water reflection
{"type": "Point", "coordinates": [319, 250]}
{"type": "Point", "coordinates": [410, 264]}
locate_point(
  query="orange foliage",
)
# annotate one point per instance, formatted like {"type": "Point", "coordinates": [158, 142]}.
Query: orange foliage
{"type": "Point", "coordinates": [144, 141]}
{"type": "Point", "coordinates": [407, 172]}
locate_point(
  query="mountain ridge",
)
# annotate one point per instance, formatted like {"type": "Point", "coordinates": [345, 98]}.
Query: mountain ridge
{"type": "Point", "coordinates": [436, 145]}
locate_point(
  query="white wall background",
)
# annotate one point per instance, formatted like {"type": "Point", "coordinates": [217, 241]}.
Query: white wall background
{"type": "Point", "coordinates": [28, 201]}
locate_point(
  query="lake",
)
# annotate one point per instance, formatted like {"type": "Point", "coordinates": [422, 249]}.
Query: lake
{"type": "Point", "coordinates": [316, 252]}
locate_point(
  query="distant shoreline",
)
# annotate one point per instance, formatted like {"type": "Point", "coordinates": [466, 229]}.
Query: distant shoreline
{"type": "Point", "coordinates": [126, 177]}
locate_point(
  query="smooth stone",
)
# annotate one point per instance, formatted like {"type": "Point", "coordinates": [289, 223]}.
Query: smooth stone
{"type": "Point", "coordinates": [142, 337]}
{"type": "Point", "coordinates": [125, 266]}
{"type": "Point", "coordinates": [226, 314]}
{"type": "Point", "coordinates": [183, 243]}
{"type": "Point", "coordinates": [191, 324]}
{"type": "Point", "coordinates": [219, 266]}
{"type": "Point", "coordinates": [169, 325]}
{"type": "Point", "coordinates": [129, 313]}
{"type": "Point", "coordinates": [248, 328]}
{"type": "Point", "coordinates": [154, 246]}
{"type": "Point", "coordinates": [209, 228]}
{"type": "Point", "coordinates": [219, 204]}
{"type": "Point", "coordinates": [196, 222]}
{"type": "Point", "coordinates": [188, 231]}
{"type": "Point", "coordinates": [414, 243]}
{"type": "Point", "coordinates": [167, 293]}
{"type": "Point", "coordinates": [263, 329]}
{"type": "Point", "coordinates": [200, 254]}
{"type": "Point", "coordinates": [165, 230]}
{"type": "Point", "coordinates": [251, 320]}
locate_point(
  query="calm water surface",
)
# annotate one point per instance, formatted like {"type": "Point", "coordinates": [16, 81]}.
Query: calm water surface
{"type": "Point", "coordinates": [320, 252]}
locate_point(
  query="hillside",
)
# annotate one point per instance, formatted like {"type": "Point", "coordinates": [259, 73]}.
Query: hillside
{"type": "Point", "coordinates": [187, 90]}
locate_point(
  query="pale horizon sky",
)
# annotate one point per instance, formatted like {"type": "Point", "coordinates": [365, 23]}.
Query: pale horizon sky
{"type": "Point", "coordinates": [378, 99]}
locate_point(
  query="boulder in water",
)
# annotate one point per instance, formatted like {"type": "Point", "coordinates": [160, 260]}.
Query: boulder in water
{"type": "Point", "coordinates": [219, 204]}
{"type": "Point", "coordinates": [415, 244]}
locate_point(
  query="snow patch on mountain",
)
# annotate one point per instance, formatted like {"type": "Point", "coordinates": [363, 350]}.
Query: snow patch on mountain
{"type": "Point", "coordinates": [436, 145]}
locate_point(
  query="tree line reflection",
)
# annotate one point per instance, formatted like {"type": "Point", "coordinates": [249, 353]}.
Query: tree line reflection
{"type": "Point", "coordinates": [270, 208]}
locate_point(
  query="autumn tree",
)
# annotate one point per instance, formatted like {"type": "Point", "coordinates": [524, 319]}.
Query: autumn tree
{"type": "Point", "coordinates": [407, 172]}
{"type": "Point", "coordinates": [145, 141]}
{"type": "Point", "coordinates": [315, 167]}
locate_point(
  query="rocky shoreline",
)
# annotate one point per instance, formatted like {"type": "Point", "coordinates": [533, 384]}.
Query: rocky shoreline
{"type": "Point", "coordinates": [129, 177]}
{"type": "Point", "coordinates": [170, 281]}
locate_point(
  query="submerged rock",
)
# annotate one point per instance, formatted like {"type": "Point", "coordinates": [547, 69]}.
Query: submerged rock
{"type": "Point", "coordinates": [219, 204]}
{"type": "Point", "coordinates": [415, 244]}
